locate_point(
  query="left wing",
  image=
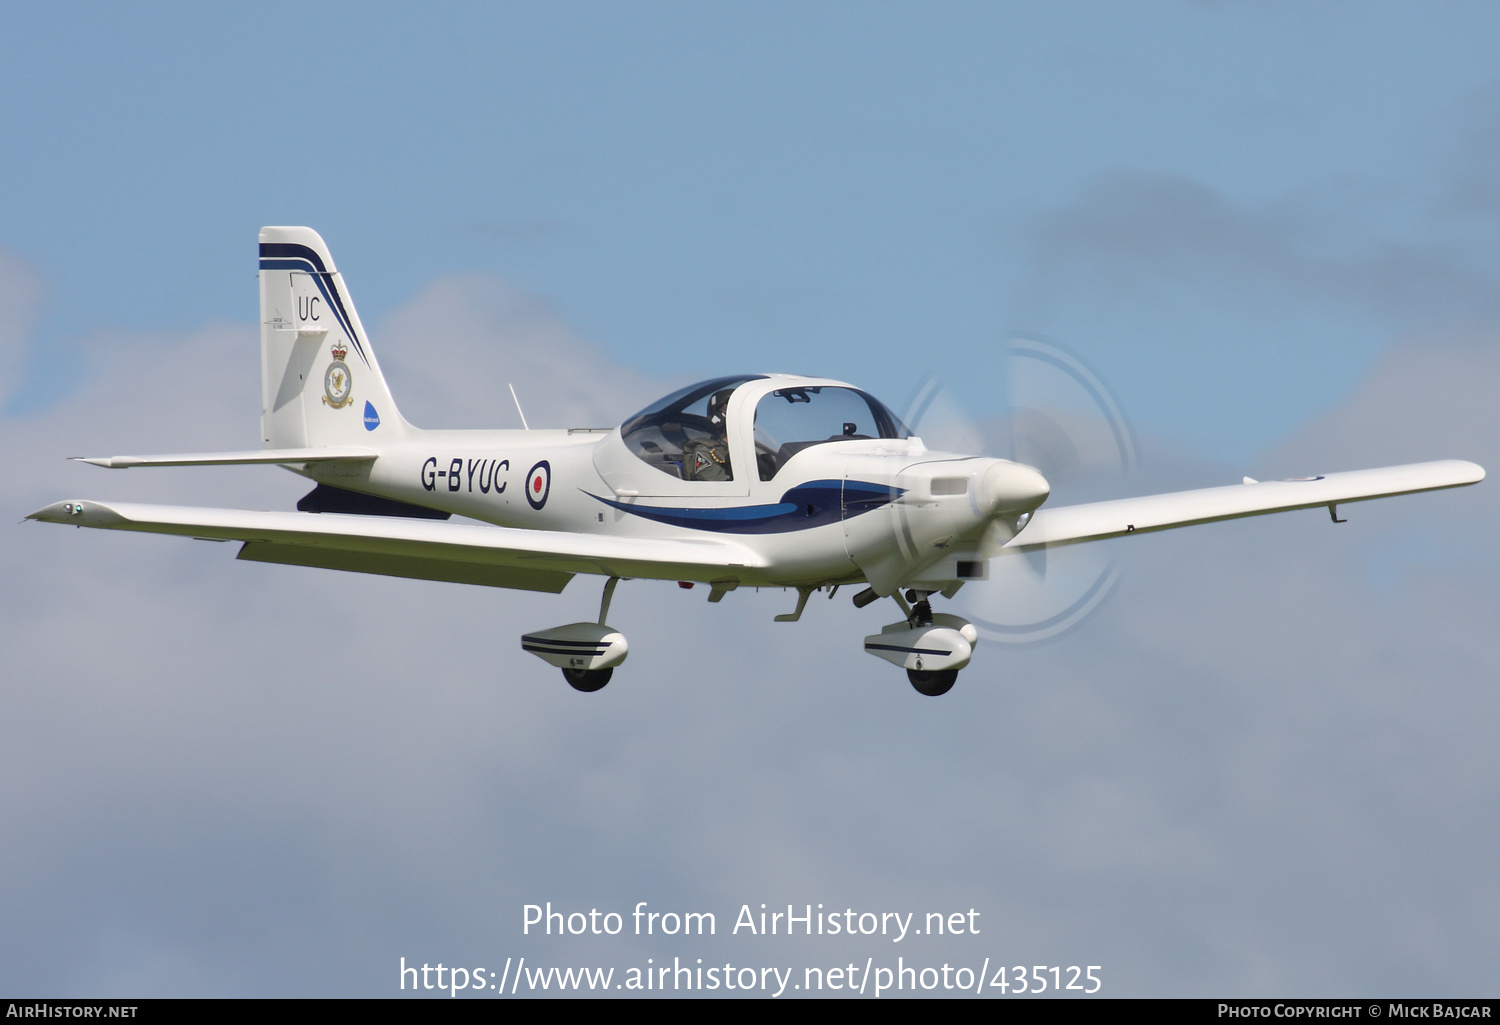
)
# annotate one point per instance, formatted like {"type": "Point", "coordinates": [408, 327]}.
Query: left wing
{"type": "Point", "coordinates": [536, 560]}
{"type": "Point", "coordinates": [1095, 521]}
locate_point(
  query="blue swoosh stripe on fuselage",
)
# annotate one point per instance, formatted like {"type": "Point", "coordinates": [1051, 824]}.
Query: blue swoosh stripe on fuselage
{"type": "Point", "coordinates": [817, 503]}
{"type": "Point", "coordinates": [291, 256]}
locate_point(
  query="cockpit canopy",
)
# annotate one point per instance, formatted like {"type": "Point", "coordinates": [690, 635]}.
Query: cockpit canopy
{"type": "Point", "coordinates": [686, 434]}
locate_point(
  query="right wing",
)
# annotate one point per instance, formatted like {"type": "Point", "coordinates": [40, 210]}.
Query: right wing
{"type": "Point", "coordinates": [1071, 524]}
{"type": "Point", "coordinates": [535, 560]}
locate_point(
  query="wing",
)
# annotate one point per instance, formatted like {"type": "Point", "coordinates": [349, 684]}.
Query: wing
{"type": "Point", "coordinates": [536, 560]}
{"type": "Point", "coordinates": [1098, 520]}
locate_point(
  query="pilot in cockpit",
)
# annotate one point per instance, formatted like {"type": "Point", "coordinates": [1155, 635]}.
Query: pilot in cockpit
{"type": "Point", "coordinates": [708, 458]}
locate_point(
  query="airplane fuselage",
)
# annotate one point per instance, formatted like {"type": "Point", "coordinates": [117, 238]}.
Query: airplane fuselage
{"type": "Point", "coordinates": [830, 513]}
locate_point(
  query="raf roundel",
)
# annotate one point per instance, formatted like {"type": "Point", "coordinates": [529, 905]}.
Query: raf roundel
{"type": "Point", "coordinates": [538, 484]}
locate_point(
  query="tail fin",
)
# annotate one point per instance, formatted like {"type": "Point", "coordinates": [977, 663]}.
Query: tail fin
{"type": "Point", "coordinates": [320, 383]}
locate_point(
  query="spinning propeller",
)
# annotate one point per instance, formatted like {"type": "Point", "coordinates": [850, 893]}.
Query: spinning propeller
{"type": "Point", "coordinates": [1062, 419]}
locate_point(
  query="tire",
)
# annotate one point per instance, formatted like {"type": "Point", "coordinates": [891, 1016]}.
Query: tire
{"type": "Point", "coordinates": [932, 683]}
{"type": "Point", "coordinates": [588, 680]}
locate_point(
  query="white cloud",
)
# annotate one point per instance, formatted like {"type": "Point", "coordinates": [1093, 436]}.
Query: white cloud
{"type": "Point", "coordinates": [1254, 771]}
{"type": "Point", "coordinates": [450, 354]}
{"type": "Point", "coordinates": [1430, 397]}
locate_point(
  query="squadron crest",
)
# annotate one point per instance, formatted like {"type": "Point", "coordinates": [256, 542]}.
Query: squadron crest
{"type": "Point", "coordinates": [338, 382]}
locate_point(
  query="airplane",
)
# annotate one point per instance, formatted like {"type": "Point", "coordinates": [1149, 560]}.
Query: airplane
{"type": "Point", "coordinates": [749, 480]}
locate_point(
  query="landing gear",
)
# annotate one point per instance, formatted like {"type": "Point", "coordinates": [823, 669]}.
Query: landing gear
{"type": "Point", "coordinates": [932, 655]}
{"type": "Point", "coordinates": [590, 680]}
{"type": "Point", "coordinates": [932, 682]}
{"type": "Point", "coordinates": [587, 653]}
{"type": "Point", "coordinates": [931, 646]}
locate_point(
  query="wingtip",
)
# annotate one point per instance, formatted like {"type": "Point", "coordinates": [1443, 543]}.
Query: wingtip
{"type": "Point", "coordinates": [1471, 473]}
{"type": "Point", "coordinates": [78, 514]}
{"type": "Point", "coordinates": [57, 512]}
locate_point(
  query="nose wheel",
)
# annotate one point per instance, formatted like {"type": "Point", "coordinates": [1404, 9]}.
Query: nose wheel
{"type": "Point", "coordinates": [929, 682]}
{"type": "Point", "coordinates": [931, 646]}
{"type": "Point", "coordinates": [590, 680]}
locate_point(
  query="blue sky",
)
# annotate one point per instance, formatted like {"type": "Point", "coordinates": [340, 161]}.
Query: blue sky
{"type": "Point", "coordinates": [1261, 768]}
{"type": "Point", "coordinates": [872, 191]}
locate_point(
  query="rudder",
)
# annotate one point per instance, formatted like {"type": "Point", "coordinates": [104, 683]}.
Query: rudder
{"type": "Point", "coordinates": [320, 382]}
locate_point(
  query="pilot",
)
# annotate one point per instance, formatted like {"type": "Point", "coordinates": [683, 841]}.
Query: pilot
{"type": "Point", "coordinates": [708, 458]}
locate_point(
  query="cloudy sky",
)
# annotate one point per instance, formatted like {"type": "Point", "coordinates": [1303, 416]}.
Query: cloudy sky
{"type": "Point", "coordinates": [1265, 766]}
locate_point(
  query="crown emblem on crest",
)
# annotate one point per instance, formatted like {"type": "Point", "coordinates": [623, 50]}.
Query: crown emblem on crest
{"type": "Point", "coordinates": [339, 351]}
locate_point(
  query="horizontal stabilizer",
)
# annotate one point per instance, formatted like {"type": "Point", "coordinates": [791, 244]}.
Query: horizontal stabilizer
{"type": "Point", "coordinates": [329, 454]}
{"type": "Point", "coordinates": [398, 546]}
{"type": "Point", "coordinates": [1098, 520]}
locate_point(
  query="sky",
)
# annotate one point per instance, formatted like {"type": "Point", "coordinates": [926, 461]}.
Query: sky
{"type": "Point", "coordinates": [1263, 767]}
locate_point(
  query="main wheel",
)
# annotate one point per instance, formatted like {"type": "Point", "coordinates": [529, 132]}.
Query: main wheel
{"type": "Point", "coordinates": [590, 680]}
{"type": "Point", "coordinates": [933, 683]}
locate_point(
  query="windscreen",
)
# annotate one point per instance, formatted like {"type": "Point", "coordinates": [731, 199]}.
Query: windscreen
{"type": "Point", "coordinates": [792, 419]}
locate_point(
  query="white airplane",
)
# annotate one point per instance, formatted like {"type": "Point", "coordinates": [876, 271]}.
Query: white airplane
{"type": "Point", "coordinates": [755, 480]}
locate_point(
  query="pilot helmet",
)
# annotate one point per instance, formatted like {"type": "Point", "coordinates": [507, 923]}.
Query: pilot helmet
{"type": "Point", "coordinates": [718, 403]}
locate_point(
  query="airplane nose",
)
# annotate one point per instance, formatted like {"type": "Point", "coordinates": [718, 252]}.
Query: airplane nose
{"type": "Point", "coordinates": [1013, 487]}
